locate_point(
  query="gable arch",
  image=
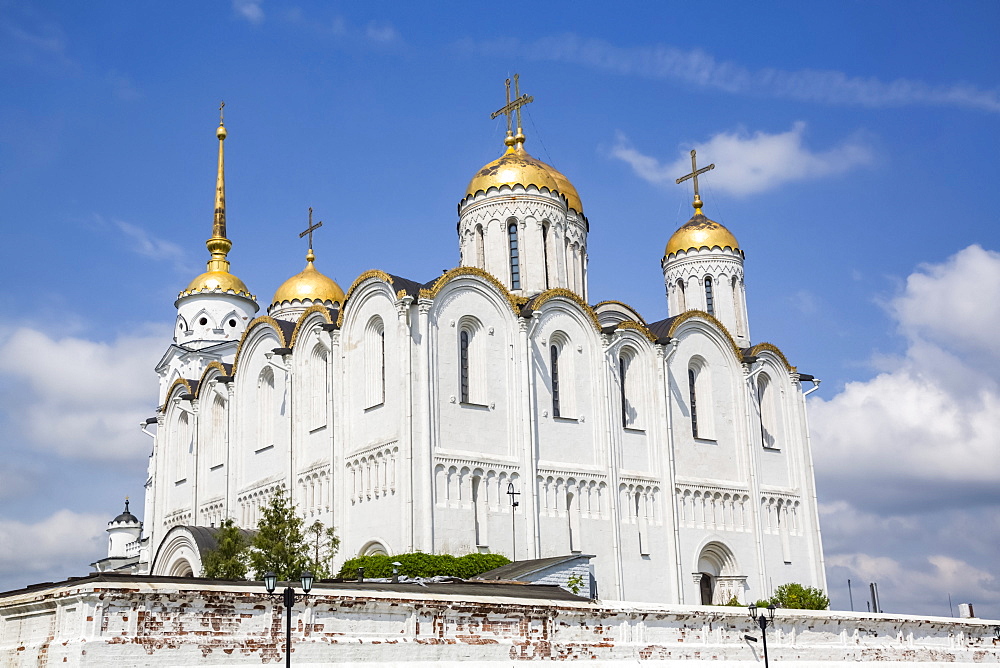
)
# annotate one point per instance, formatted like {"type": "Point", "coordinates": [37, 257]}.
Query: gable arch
{"type": "Point", "coordinates": [256, 332]}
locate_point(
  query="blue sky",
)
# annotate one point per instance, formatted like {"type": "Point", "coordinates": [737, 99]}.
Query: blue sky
{"type": "Point", "coordinates": [856, 160]}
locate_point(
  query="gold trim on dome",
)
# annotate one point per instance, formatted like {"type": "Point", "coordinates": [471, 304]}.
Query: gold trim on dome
{"type": "Point", "coordinates": [315, 308]}
{"type": "Point", "coordinates": [700, 232]}
{"type": "Point", "coordinates": [615, 301]}
{"type": "Point", "coordinates": [639, 327]}
{"type": "Point", "coordinates": [212, 281]}
{"type": "Point", "coordinates": [256, 322]}
{"type": "Point", "coordinates": [694, 313]}
{"type": "Point", "coordinates": [573, 297]}
{"type": "Point", "coordinates": [770, 347]}
{"type": "Point", "coordinates": [512, 299]}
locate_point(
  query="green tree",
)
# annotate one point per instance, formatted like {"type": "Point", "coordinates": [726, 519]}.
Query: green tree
{"type": "Point", "coordinates": [280, 543]}
{"type": "Point", "coordinates": [795, 596]}
{"type": "Point", "coordinates": [324, 544]}
{"type": "Point", "coordinates": [228, 561]}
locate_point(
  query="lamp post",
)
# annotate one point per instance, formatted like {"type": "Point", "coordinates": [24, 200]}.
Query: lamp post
{"type": "Point", "coordinates": [513, 519]}
{"type": "Point", "coordinates": [288, 597]}
{"type": "Point", "coordinates": [763, 621]}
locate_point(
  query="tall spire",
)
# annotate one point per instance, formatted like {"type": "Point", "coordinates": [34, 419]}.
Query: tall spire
{"type": "Point", "coordinates": [219, 245]}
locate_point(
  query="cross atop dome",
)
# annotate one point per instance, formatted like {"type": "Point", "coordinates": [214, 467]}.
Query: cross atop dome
{"type": "Point", "coordinates": [697, 204]}
{"type": "Point", "coordinates": [512, 107]}
{"type": "Point", "coordinates": [312, 228]}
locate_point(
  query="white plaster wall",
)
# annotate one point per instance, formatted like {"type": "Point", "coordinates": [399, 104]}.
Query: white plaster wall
{"type": "Point", "coordinates": [168, 624]}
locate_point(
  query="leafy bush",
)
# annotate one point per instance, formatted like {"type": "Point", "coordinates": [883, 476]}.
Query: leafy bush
{"type": "Point", "coordinates": [795, 596]}
{"type": "Point", "coordinates": [420, 564]}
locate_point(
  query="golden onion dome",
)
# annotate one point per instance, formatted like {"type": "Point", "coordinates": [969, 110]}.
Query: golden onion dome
{"type": "Point", "coordinates": [514, 167]}
{"type": "Point", "coordinates": [309, 285]}
{"type": "Point", "coordinates": [212, 281]}
{"type": "Point", "coordinates": [566, 189]}
{"type": "Point", "coordinates": [700, 232]}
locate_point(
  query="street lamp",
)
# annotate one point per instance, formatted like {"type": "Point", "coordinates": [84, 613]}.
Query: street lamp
{"type": "Point", "coordinates": [513, 519]}
{"type": "Point", "coordinates": [288, 597]}
{"type": "Point", "coordinates": [763, 622]}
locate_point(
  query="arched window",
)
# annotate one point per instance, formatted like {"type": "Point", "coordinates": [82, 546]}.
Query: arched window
{"type": "Point", "coordinates": [709, 299]}
{"type": "Point", "coordinates": [465, 338]}
{"type": "Point", "coordinates": [265, 409]}
{"type": "Point", "coordinates": [681, 301]}
{"type": "Point", "coordinates": [319, 387]}
{"type": "Point", "coordinates": [182, 449]}
{"type": "Point", "coordinates": [515, 256]}
{"type": "Point", "coordinates": [694, 402]}
{"type": "Point", "coordinates": [562, 376]}
{"type": "Point", "coordinates": [737, 310]}
{"type": "Point", "coordinates": [554, 356]}
{"type": "Point", "coordinates": [375, 362]}
{"type": "Point", "coordinates": [700, 398]}
{"type": "Point", "coordinates": [630, 382]}
{"type": "Point", "coordinates": [217, 433]}
{"type": "Point", "coordinates": [545, 252]}
{"type": "Point", "coordinates": [480, 248]}
{"type": "Point", "coordinates": [769, 415]}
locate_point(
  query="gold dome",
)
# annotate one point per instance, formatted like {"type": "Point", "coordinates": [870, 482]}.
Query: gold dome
{"type": "Point", "coordinates": [566, 189]}
{"type": "Point", "coordinates": [211, 281]}
{"type": "Point", "coordinates": [514, 167]}
{"type": "Point", "coordinates": [310, 284]}
{"type": "Point", "coordinates": [700, 232]}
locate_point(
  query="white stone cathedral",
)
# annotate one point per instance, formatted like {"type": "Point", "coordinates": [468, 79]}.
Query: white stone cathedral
{"type": "Point", "coordinates": [674, 450]}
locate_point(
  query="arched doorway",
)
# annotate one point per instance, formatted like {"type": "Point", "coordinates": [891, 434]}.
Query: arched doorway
{"type": "Point", "coordinates": [718, 576]}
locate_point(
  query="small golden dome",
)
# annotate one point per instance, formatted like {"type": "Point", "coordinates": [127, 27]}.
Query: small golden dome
{"type": "Point", "coordinates": [310, 285]}
{"type": "Point", "coordinates": [217, 280]}
{"type": "Point", "coordinates": [514, 167]}
{"type": "Point", "coordinates": [700, 232]}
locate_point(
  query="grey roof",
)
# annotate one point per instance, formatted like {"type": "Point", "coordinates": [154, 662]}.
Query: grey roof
{"type": "Point", "coordinates": [329, 587]}
{"type": "Point", "coordinates": [518, 570]}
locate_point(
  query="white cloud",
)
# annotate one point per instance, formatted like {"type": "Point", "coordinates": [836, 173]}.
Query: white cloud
{"type": "Point", "coordinates": [907, 461]}
{"type": "Point", "coordinates": [76, 397]}
{"type": "Point", "coordinates": [749, 163]}
{"type": "Point", "coordinates": [249, 10]}
{"type": "Point", "coordinates": [701, 69]}
{"type": "Point", "coordinates": [51, 548]}
{"type": "Point", "coordinates": [930, 419]}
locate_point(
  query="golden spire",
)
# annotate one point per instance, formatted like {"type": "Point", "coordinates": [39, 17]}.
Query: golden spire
{"type": "Point", "coordinates": [512, 140]}
{"type": "Point", "coordinates": [697, 203]}
{"type": "Point", "coordinates": [219, 245]}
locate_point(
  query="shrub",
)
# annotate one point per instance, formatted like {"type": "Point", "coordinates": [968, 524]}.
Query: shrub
{"type": "Point", "coordinates": [420, 564]}
{"type": "Point", "coordinates": [795, 596]}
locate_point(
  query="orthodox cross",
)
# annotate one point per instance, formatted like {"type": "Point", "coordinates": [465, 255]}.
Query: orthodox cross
{"type": "Point", "coordinates": [513, 105]}
{"type": "Point", "coordinates": [311, 229]}
{"type": "Point", "coordinates": [223, 104]}
{"type": "Point", "coordinates": [694, 175]}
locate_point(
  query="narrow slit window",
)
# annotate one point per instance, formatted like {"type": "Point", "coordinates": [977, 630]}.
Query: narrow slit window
{"type": "Point", "coordinates": [554, 352]}
{"type": "Point", "coordinates": [545, 253]}
{"type": "Point", "coordinates": [692, 393]}
{"type": "Point", "coordinates": [622, 369]}
{"type": "Point", "coordinates": [709, 299]}
{"type": "Point", "coordinates": [464, 364]}
{"type": "Point", "coordinates": [515, 259]}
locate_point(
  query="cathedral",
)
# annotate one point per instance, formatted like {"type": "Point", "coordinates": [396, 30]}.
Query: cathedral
{"type": "Point", "coordinates": [492, 408]}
